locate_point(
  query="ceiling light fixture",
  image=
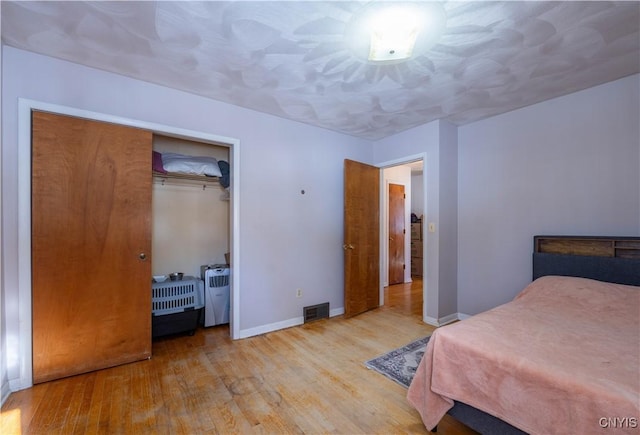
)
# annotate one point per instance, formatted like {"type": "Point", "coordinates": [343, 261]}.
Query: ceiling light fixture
{"type": "Point", "coordinates": [385, 32]}
{"type": "Point", "coordinates": [393, 35]}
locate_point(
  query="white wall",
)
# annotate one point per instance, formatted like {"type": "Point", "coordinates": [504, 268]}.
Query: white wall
{"type": "Point", "coordinates": [288, 240]}
{"type": "Point", "coordinates": [396, 175]}
{"type": "Point", "coordinates": [448, 222]}
{"type": "Point", "coordinates": [190, 221]}
{"type": "Point", "coordinates": [565, 166]}
{"type": "Point", "coordinates": [190, 227]}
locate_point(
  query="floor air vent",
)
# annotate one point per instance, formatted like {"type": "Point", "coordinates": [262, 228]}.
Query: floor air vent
{"type": "Point", "coordinates": [315, 312]}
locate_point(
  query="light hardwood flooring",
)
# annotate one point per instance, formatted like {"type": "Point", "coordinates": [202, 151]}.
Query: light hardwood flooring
{"type": "Point", "coordinates": [306, 379]}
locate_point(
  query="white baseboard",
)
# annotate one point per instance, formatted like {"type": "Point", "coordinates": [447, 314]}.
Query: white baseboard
{"type": "Point", "coordinates": [296, 321]}
{"type": "Point", "coordinates": [263, 329]}
{"type": "Point", "coordinates": [336, 312]}
{"type": "Point", "coordinates": [448, 319]}
{"type": "Point", "coordinates": [13, 385]}
{"type": "Point", "coordinates": [4, 392]}
{"type": "Point", "coordinates": [445, 320]}
{"type": "Point", "coordinates": [19, 384]}
{"type": "Point", "coordinates": [431, 321]}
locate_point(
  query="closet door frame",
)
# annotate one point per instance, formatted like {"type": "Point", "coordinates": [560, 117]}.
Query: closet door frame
{"type": "Point", "coordinates": [25, 107]}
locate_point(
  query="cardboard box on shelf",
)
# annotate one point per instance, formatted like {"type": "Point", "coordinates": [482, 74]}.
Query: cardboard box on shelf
{"type": "Point", "coordinates": [416, 248]}
{"type": "Point", "coordinates": [416, 231]}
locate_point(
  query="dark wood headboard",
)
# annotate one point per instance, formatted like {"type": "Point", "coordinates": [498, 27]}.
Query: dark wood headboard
{"type": "Point", "coordinates": [610, 259]}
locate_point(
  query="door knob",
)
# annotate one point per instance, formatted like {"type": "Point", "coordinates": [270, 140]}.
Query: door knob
{"type": "Point", "coordinates": [142, 256]}
{"type": "Point", "coordinates": [349, 246]}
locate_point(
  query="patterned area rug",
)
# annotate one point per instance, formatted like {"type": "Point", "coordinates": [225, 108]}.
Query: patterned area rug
{"type": "Point", "coordinates": [400, 364]}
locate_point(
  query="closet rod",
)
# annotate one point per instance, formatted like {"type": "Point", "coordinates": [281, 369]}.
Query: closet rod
{"type": "Point", "coordinates": [202, 180]}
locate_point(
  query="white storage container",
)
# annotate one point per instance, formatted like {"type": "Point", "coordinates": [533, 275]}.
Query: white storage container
{"type": "Point", "coordinates": [170, 297]}
{"type": "Point", "coordinates": [176, 306]}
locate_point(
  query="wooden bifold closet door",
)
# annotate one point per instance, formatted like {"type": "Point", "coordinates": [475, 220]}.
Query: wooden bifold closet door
{"type": "Point", "coordinates": [91, 245]}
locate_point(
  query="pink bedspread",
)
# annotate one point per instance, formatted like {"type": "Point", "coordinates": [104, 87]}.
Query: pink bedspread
{"type": "Point", "coordinates": [562, 358]}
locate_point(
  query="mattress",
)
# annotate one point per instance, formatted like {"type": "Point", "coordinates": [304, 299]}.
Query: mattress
{"type": "Point", "coordinates": [562, 357]}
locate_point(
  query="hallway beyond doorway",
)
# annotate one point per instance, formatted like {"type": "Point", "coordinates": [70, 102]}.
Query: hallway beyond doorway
{"type": "Point", "coordinates": [405, 298]}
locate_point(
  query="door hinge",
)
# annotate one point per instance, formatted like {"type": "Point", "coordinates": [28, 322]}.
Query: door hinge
{"type": "Point", "coordinates": [404, 231]}
{"type": "Point", "coordinates": [404, 196]}
{"type": "Point", "coordinates": [404, 266]}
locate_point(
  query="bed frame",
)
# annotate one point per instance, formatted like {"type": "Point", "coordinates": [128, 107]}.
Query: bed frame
{"type": "Point", "coordinates": [609, 259]}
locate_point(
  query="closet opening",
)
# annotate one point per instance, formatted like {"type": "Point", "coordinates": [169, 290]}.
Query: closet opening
{"type": "Point", "coordinates": [190, 235]}
{"type": "Point", "coordinates": [165, 135]}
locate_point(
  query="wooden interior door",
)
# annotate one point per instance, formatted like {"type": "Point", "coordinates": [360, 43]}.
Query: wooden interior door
{"type": "Point", "coordinates": [91, 245]}
{"type": "Point", "coordinates": [397, 231]}
{"type": "Point", "coordinates": [361, 237]}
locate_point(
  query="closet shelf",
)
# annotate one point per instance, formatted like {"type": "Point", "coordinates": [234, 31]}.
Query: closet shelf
{"type": "Point", "coordinates": [197, 180]}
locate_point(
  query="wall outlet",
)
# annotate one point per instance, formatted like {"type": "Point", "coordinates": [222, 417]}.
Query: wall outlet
{"type": "Point", "coordinates": [299, 293]}
{"type": "Point", "coordinates": [432, 227]}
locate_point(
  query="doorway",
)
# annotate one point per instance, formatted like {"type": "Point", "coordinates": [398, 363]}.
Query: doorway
{"type": "Point", "coordinates": [405, 293]}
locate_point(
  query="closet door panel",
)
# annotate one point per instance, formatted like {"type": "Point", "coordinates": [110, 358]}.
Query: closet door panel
{"type": "Point", "coordinates": [91, 245]}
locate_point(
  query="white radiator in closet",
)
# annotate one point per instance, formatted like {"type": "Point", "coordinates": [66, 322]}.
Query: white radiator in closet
{"type": "Point", "coordinates": [216, 294]}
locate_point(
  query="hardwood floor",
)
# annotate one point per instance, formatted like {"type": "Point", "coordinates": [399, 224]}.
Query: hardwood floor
{"type": "Point", "coordinates": [306, 379]}
{"type": "Point", "coordinates": [405, 298]}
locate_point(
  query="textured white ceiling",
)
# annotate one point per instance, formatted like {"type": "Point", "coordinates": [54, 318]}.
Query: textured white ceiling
{"type": "Point", "coordinates": [292, 59]}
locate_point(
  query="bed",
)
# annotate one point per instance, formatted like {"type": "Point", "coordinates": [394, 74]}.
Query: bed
{"type": "Point", "coordinates": [562, 357]}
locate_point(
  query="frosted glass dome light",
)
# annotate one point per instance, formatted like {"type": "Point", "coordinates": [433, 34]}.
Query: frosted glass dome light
{"type": "Point", "coordinates": [391, 32]}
